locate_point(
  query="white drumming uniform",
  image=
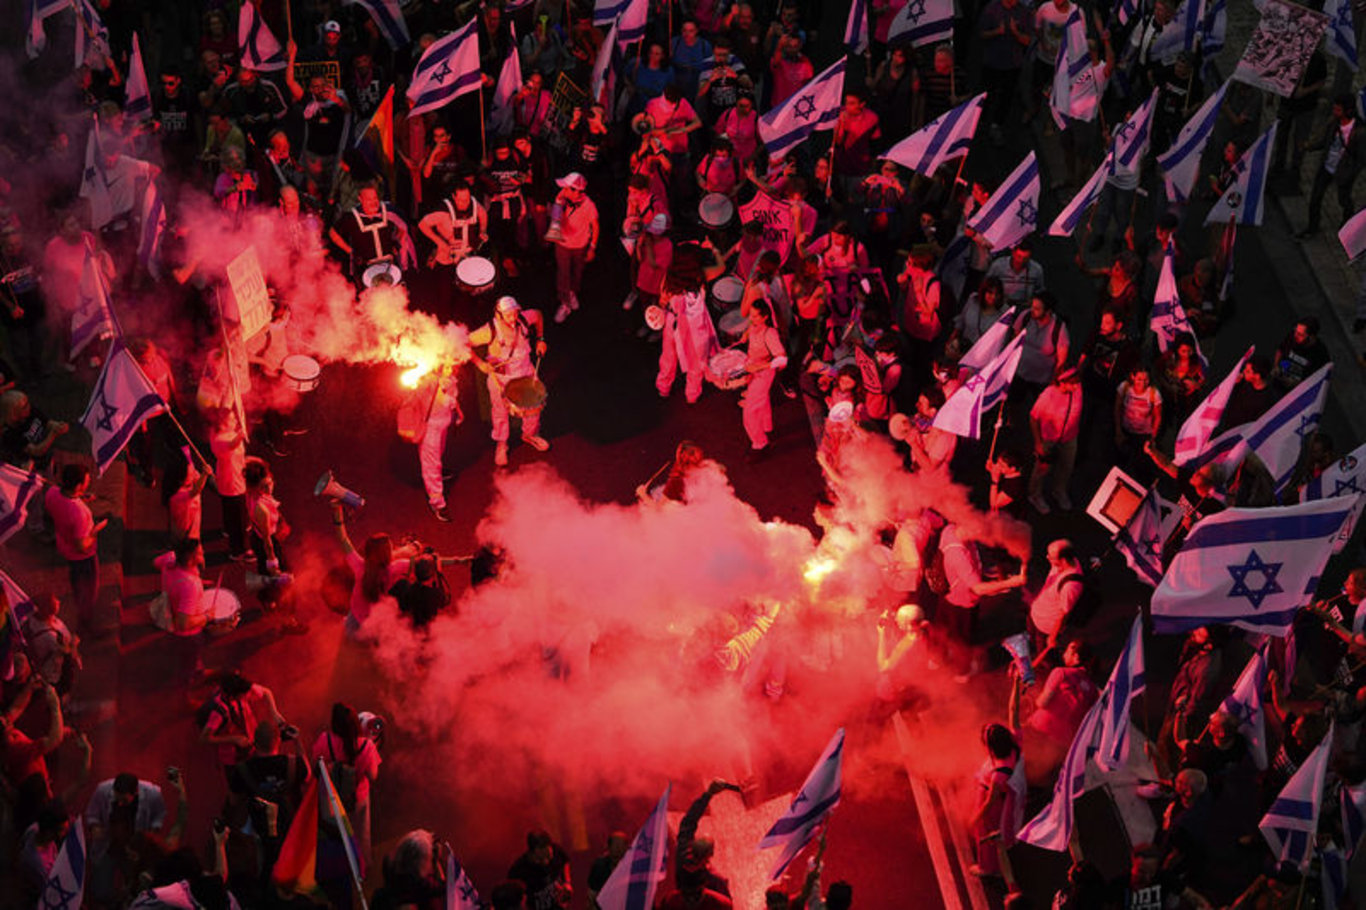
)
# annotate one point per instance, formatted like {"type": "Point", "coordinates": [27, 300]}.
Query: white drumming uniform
{"type": "Point", "coordinates": [510, 356]}
{"type": "Point", "coordinates": [689, 342]}
{"type": "Point", "coordinates": [431, 451]}
{"type": "Point", "coordinates": [765, 350]}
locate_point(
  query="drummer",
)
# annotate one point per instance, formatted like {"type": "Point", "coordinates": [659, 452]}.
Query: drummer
{"type": "Point", "coordinates": [719, 171]}
{"type": "Point", "coordinates": [766, 358]}
{"type": "Point", "coordinates": [456, 229]}
{"type": "Point", "coordinates": [650, 261]}
{"type": "Point", "coordinates": [511, 336]}
{"type": "Point", "coordinates": [689, 336]}
{"type": "Point", "coordinates": [369, 233]}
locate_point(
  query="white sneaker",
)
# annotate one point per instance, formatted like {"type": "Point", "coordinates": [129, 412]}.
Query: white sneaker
{"type": "Point", "coordinates": [573, 301]}
{"type": "Point", "coordinates": [553, 235]}
{"type": "Point", "coordinates": [536, 442]}
{"type": "Point", "coordinates": [562, 313]}
{"type": "Point", "coordinates": [630, 300]}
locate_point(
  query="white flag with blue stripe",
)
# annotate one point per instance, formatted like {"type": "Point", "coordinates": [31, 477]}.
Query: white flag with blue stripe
{"type": "Point", "coordinates": [1277, 436]}
{"type": "Point", "coordinates": [1191, 17]}
{"type": "Point", "coordinates": [1051, 829]}
{"type": "Point", "coordinates": [1180, 164]}
{"type": "Point", "coordinates": [509, 83]}
{"type": "Point", "coordinates": [991, 343]}
{"type": "Point", "coordinates": [1140, 540]}
{"type": "Point", "coordinates": [634, 881]}
{"type": "Point", "coordinates": [137, 98]}
{"type": "Point", "coordinates": [922, 22]}
{"type": "Point", "coordinates": [92, 38]}
{"type": "Point", "coordinates": [1169, 319]}
{"type": "Point", "coordinates": [1353, 801]}
{"type": "Point", "coordinates": [943, 139]}
{"type": "Point", "coordinates": [1341, 36]}
{"type": "Point", "coordinates": [1196, 432]}
{"type": "Point", "coordinates": [1070, 217]}
{"type": "Point", "coordinates": [1245, 705]}
{"type": "Point", "coordinates": [95, 181]}
{"type": "Point", "coordinates": [1252, 568]}
{"type": "Point", "coordinates": [460, 891]}
{"type": "Point", "coordinates": [1214, 30]}
{"type": "Point", "coordinates": [122, 400]}
{"type": "Point", "coordinates": [92, 319]}
{"type": "Point", "coordinates": [259, 48]}
{"type": "Point", "coordinates": [819, 794]}
{"type": "Point", "coordinates": [1131, 139]}
{"type": "Point", "coordinates": [1012, 212]}
{"type": "Point", "coordinates": [605, 12]}
{"type": "Point", "coordinates": [962, 413]}
{"type": "Point", "coordinates": [449, 69]}
{"type": "Point", "coordinates": [856, 27]}
{"type": "Point", "coordinates": [631, 25]}
{"type": "Point", "coordinates": [17, 488]}
{"type": "Point", "coordinates": [39, 11]}
{"type": "Point", "coordinates": [1291, 825]}
{"type": "Point", "coordinates": [1332, 875]}
{"type": "Point", "coordinates": [1344, 477]}
{"type": "Point", "coordinates": [1352, 235]}
{"type": "Point", "coordinates": [814, 106]}
{"type": "Point", "coordinates": [19, 602]}
{"type": "Point", "coordinates": [388, 18]}
{"type": "Point", "coordinates": [1127, 681]}
{"type": "Point", "coordinates": [65, 885]}
{"type": "Point", "coordinates": [1245, 200]}
{"type": "Point", "coordinates": [1075, 93]}
{"type": "Point", "coordinates": [1125, 10]}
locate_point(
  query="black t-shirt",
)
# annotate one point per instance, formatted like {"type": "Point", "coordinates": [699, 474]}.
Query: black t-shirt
{"type": "Point", "coordinates": [600, 871]}
{"type": "Point", "coordinates": [420, 602]}
{"type": "Point", "coordinates": [1153, 896]}
{"type": "Point", "coordinates": [540, 880]}
{"type": "Point", "coordinates": [274, 778]}
{"type": "Point", "coordinates": [1108, 360]}
{"type": "Point", "coordinates": [18, 438]}
{"type": "Point", "coordinates": [324, 134]}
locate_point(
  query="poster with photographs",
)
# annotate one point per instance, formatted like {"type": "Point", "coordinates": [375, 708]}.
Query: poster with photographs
{"type": "Point", "coordinates": [1281, 46]}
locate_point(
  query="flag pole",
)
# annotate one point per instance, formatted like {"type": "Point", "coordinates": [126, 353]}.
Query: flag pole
{"type": "Point", "coordinates": [483, 141]}
{"type": "Point", "coordinates": [289, 21]}
{"type": "Point", "coordinates": [227, 357]}
{"type": "Point", "coordinates": [338, 813]}
{"type": "Point", "coordinates": [996, 432]}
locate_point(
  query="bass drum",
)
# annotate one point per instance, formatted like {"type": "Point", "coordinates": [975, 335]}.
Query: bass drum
{"type": "Point", "coordinates": [726, 369]}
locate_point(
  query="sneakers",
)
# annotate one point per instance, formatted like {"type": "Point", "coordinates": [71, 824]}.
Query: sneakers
{"type": "Point", "coordinates": [1040, 504]}
{"type": "Point", "coordinates": [553, 235]}
{"type": "Point", "coordinates": [439, 512]}
{"type": "Point", "coordinates": [500, 454]}
{"type": "Point", "coordinates": [630, 300]}
{"type": "Point", "coordinates": [536, 442]}
{"type": "Point", "coordinates": [562, 313]}
{"type": "Point", "coordinates": [573, 301]}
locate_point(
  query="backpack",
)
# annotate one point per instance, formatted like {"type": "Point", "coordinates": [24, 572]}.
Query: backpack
{"type": "Point", "coordinates": [344, 777]}
{"type": "Point", "coordinates": [936, 579]}
{"type": "Point", "coordinates": [1087, 605]}
{"type": "Point", "coordinates": [1058, 321]}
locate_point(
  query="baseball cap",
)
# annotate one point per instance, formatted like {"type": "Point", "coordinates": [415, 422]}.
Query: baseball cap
{"type": "Point", "coordinates": [332, 25]}
{"type": "Point", "coordinates": [508, 304]}
{"type": "Point", "coordinates": [573, 180]}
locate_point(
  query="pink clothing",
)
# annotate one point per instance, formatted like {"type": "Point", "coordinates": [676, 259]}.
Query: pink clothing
{"type": "Point", "coordinates": [719, 175]}
{"type": "Point", "coordinates": [184, 591]}
{"type": "Point", "coordinates": [1067, 695]}
{"type": "Point", "coordinates": [666, 113]}
{"type": "Point", "coordinates": [72, 523]}
{"type": "Point", "coordinates": [788, 76]}
{"type": "Point", "coordinates": [650, 275]}
{"type": "Point", "coordinates": [766, 356]}
{"type": "Point", "coordinates": [689, 342]}
{"type": "Point", "coordinates": [62, 266]}
{"type": "Point", "coordinates": [1058, 413]}
{"type": "Point", "coordinates": [329, 747]}
{"type": "Point", "coordinates": [230, 457]}
{"type": "Point", "coordinates": [578, 224]}
{"type": "Point", "coordinates": [360, 607]}
{"type": "Point", "coordinates": [743, 132]}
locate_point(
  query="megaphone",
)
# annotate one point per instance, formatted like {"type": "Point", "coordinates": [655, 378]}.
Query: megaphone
{"type": "Point", "coordinates": [328, 486]}
{"type": "Point", "coordinates": [1020, 652]}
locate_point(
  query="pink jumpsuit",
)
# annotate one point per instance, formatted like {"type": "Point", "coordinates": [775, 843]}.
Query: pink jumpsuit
{"type": "Point", "coordinates": [766, 357]}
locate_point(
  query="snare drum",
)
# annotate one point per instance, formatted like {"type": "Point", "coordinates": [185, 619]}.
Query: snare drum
{"type": "Point", "coordinates": [382, 274]}
{"type": "Point", "coordinates": [727, 292]}
{"type": "Point", "coordinates": [715, 210]}
{"type": "Point", "coordinates": [731, 326]}
{"type": "Point", "coordinates": [726, 369]}
{"type": "Point", "coordinates": [224, 611]}
{"type": "Point", "coordinates": [302, 373]}
{"type": "Point", "coordinates": [476, 274]}
{"type": "Point", "coordinates": [525, 396]}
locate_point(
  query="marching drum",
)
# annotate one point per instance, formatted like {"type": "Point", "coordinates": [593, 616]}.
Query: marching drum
{"type": "Point", "coordinates": [476, 274]}
{"type": "Point", "coordinates": [525, 395]}
{"type": "Point", "coordinates": [655, 317]}
{"type": "Point", "coordinates": [727, 292]}
{"type": "Point", "coordinates": [382, 274]}
{"type": "Point", "coordinates": [302, 373]}
{"type": "Point", "coordinates": [731, 326]}
{"type": "Point", "coordinates": [715, 210]}
{"type": "Point", "coordinates": [224, 610]}
{"type": "Point", "coordinates": [727, 369]}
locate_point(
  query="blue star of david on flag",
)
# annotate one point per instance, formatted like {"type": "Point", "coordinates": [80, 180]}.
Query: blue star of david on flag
{"type": "Point", "coordinates": [109, 412]}
{"type": "Point", "coordinates": [805, 107]}
{"type": "Point", "coordinates": [440, 75]}
{"type": "Point", "coordinates": [1346, 486]}
{"type": "Point", "coordinates": [915, 11]}
{"type": "Point", "coordinates": [1255, 564]}
{"type": "Point", "coordinates": [1307, 424]}
{"type": "Point", "coordinates": [1027, 213]}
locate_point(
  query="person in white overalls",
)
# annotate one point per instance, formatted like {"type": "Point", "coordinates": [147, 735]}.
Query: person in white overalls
{"type": "Point", "coordinates": [442, 410]}
{"type": "Point", "coordinates": [766, 358]}
{"type": "Point", "coordinates": [511, 336]}
{"type": "Point", "coordinates": [689, 340]}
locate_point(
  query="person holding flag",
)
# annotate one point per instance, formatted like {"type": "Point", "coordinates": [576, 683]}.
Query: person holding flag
{"type": "Point", "coordinates": [1344, 143]}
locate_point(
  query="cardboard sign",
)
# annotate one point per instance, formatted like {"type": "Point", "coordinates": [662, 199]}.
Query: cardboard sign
{"type": "Point", "coordinates": [249, 293]}
{"type": "Point", "coordinates": [776, 217]}
{"type": "Point", "coordinates": [563, 100]}
{"type": "Point", "coordinates": [304, 70]}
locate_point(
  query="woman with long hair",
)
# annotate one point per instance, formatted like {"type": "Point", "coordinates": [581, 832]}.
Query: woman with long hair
{"type": "Point", "coordinates": [689, 336]}
{"type": "Point", "coordinates": [267, 530]}
{"type": "Point", "coordinates": [353, 764]}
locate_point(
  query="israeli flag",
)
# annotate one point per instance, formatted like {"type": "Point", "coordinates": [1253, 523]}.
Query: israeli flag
{"type": "Point", "coordinates": [508, 85]}
{"type": "Point", "coordinates": [962, 413]}
{"type": "Point", "coordinates": [1073, 80]}
{"type": "Point", "coordinates": [1252, 568]}
{"type": "Point", "coordinates": [603, 81]}
{"type": "Point", "coordinates": [991, 342]}
{"type": "Point", "coordinates": [819, 794]}
{"type": "Point", "coordinates": [1168, 319]}
{"type": "Point", "coordinates": [95, 180]}
{"type": "Point", "coordinates": [1341, 36]}
{"type": "Point", "coordinates": [1180, 164]}
{"type": "Point", "coordinates": [1065, 225]}
{"type": "Point", "coordinates": [856, 28]}
{"type": "Point", "coordinates": [1140, 540]}
{"type": "Point", "coordinates": [943, 139]}
{"type": "Point", "coordinates": [605, 12]}
{"type": "Point", "coordinates": [1012, 212]}
{"type": "Point", "coordinates": [65, 887]}
{"type": "Point", "coordinates": [1276, 436]}
{"type": "Point", "coordinates": [17, 488]}
{"type": "Point", "coordinates": [1051, 829]}
{"type": "Point", "coordinates": [460, 891]}
{"type": "Point", "coordinates": [92, 319]}
{"type": "Point", "coordinates": [634, 881]}
{"type": "Point", "coordinates": [1291, 824]}
{"type": "Point", "coordinates": [260, 49]}
{"type": "Point", "coordinates": [19, 602]}
{"type": "Point", "coordinates": [92, 38]}
{"type": "Point", "coordinates": [1130, 142]}
{"type": "Point", "coordinates": [1332, 875]}
{"type": "Point", "coordinates": [388, 17]}
{"type": "Point", "coordinates": [123, 399]}
{"type": "Point", "coordinates": [39, 11]}
{"type": "Point", "coordinates": [1345, 477]}
{"type": "Point", "coordinates": [1245, 704]}
{"type": "Point", "coordinates": [1244, 202]}
{"type": "Point", "coordinates": [815, 106]}
{"type": "Point", "coordinates": [137, 99]}
{"type": "Point", "coordinates": [1353, 815]}
{"type": "Point", "coordinates": [1192, 19]}
{"type": "Point", "coordinates": [1214, 29]}
{"type": "Point", "coordinates": [1352, 236]}
{"type": "Point", "coordinates": [1195, 433]}
{"type": "Point", "coordinates": [1125, 10]}
{"type": "Point", "coordinates": [922, 22]}
{"type": "Point", "coordinates": [1127, 681]}
{"type": "Point", "coordinates": [449, 69]}
{"type": "Point", "coordinates": [631, 25]}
